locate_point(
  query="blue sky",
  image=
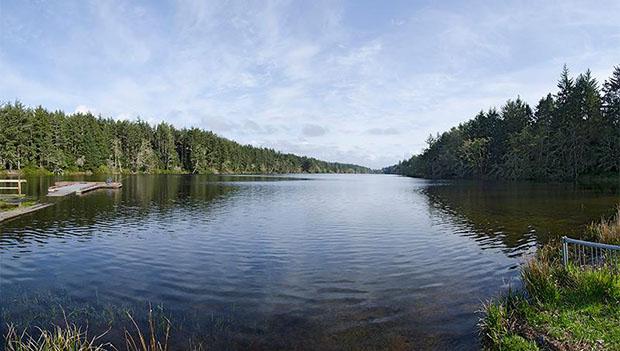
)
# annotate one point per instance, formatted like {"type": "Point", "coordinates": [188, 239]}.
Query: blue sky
{"type": "Point", "coordinates": [353, 81]}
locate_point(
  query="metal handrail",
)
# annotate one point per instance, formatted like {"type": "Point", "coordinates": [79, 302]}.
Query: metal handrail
{"type": "Point", "coordinates": [599, 253]}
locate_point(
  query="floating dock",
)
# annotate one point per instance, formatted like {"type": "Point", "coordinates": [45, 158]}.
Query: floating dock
{"type": "Point", "coordinates": [5, 215]}
{"type": "Point", "coordinates": [79, 188]}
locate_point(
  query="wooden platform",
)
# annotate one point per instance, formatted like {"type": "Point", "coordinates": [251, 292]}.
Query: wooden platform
{"type": "Point", "coordinates": [79, 188]}
{"type": "Point", "coordinates": [5, 215]}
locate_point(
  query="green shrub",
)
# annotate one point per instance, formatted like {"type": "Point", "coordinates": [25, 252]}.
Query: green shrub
{"type": "Point", "coordinates": [35, 171]}
{"type": "Point", "coordinates": [103, 169]}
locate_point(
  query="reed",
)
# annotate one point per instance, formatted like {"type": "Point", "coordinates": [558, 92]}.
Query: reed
{"type": "Point", "coordinates": [150, 342]}
{"type": "Point", "coordinates": [69, 337]}
{"type": "Point", "coordinates": [607, 230]}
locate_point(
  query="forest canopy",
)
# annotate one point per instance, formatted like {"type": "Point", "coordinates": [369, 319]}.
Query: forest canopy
{"type": "Point", "coordinates": [572, 133]}
{"type": "Point", "coordinates": [35, 138]}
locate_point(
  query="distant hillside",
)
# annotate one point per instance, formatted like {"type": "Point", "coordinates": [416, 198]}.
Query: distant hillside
{"type": "Point", "coordinates": [35, 138]}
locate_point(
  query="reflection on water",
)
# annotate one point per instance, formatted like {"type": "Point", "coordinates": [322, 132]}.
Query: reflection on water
{"type": "Point", "coordinates": [306, 262]}
{"type": "Point", "coordinates": [515, 216]}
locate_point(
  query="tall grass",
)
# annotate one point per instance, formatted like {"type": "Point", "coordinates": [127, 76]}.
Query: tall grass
{"type": "Point", "coordinates": [607, 230]}
{"type": "Point", "coordinates": [59, 338]}
{"type": "Point", "coordinates": [72, 338]}
{"type": "Point", "coordinates": [150, 342]}
{"type": "Point", "coordinates": [540, 276]}
{"type": "Point", "coordinates": [500, 319]}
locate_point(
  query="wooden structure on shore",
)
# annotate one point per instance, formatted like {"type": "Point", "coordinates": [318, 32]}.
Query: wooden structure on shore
{"type": "Point", "coordinates": [17, 187]}
{"type": "Point", "coordinates": [79, 188]}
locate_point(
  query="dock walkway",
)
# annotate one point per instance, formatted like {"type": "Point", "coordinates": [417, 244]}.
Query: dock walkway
{"type": "Point", "coordinates": [5, 215]}
{"type": "Point", "coordinates": [78, 188]}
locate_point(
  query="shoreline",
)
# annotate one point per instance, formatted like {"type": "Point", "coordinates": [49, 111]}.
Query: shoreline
{"type": "Point", "coordinates": [44, 172]}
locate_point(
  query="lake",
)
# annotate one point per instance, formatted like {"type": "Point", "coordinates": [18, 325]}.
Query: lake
{"type": "Point", "coordinates": [284, 262]}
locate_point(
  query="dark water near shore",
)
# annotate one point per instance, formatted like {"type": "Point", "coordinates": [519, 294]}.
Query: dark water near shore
{"type": "Point", "coordinates": [300, 262]}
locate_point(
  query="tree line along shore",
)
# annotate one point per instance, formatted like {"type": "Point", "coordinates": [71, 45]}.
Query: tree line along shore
{"type": "Point", "coordinates": [568, 135]}
{"type": "Point", "coordinates": [39, 141]}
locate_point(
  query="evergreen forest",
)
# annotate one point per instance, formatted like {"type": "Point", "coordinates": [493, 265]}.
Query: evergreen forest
{"type": "Point", "coordinates": [570, 134]}
{"type": "Point", "coordinates": [40, 141]}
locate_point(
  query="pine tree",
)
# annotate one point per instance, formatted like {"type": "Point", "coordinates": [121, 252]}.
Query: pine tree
{"type": "Point", "coordinates": [610, 153]}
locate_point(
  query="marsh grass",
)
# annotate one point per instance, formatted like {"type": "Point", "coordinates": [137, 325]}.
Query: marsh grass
{"type": "Point", "coordinates": [607, 230]}
{"type": "Point", "coordinates": [153, 341]}
{"type": "Point", "coordinates": [540, 278]}
{"type": "Point", "coordinates": [499, 318]}
{"type": "Point", "coordinates": [70, 337]}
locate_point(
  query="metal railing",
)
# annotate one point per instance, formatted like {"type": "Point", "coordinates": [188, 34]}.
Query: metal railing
{"type": "Point", "coordinates": [587, 253]}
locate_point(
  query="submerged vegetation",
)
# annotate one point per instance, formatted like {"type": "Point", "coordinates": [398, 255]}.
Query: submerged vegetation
{"type": "Point", "coordinates": [35, 141]}
{"type": "Point", "coordinates": [568, 135]}
{"type": "Point", "coordinates": [572, 308]}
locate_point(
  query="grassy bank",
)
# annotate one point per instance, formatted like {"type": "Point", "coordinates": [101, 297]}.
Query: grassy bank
{"type": "Point", "coordinates": [559, 308]}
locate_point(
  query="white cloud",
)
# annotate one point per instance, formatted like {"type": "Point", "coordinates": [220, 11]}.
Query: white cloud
{"type": "Point", "coordinates": [84, 109]}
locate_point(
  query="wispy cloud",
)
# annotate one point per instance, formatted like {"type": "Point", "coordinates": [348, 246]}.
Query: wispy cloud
{"type": "Point", "coordinates": [336, 80]}
{"type": "Point", "coordinates": [383, 131]}
{"type": "Point", "coordinates": [313, 130]}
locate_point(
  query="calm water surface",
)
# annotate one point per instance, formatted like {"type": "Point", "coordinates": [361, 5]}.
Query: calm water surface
{"type": "Point", "coordinates": [298, 262]}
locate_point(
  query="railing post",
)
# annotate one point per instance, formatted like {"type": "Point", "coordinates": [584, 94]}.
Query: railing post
{"type": "Point", "coordinates": [564, 251]}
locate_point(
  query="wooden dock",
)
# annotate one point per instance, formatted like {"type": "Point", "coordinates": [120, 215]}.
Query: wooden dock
{"type": "Point", "coordinates": [6, 215]}
{"type": "Point", "coordinates": [79, 188]}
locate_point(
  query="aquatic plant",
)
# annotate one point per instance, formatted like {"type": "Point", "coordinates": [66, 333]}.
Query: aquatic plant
{"type": "Point", "coordinates": [150, 342]}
